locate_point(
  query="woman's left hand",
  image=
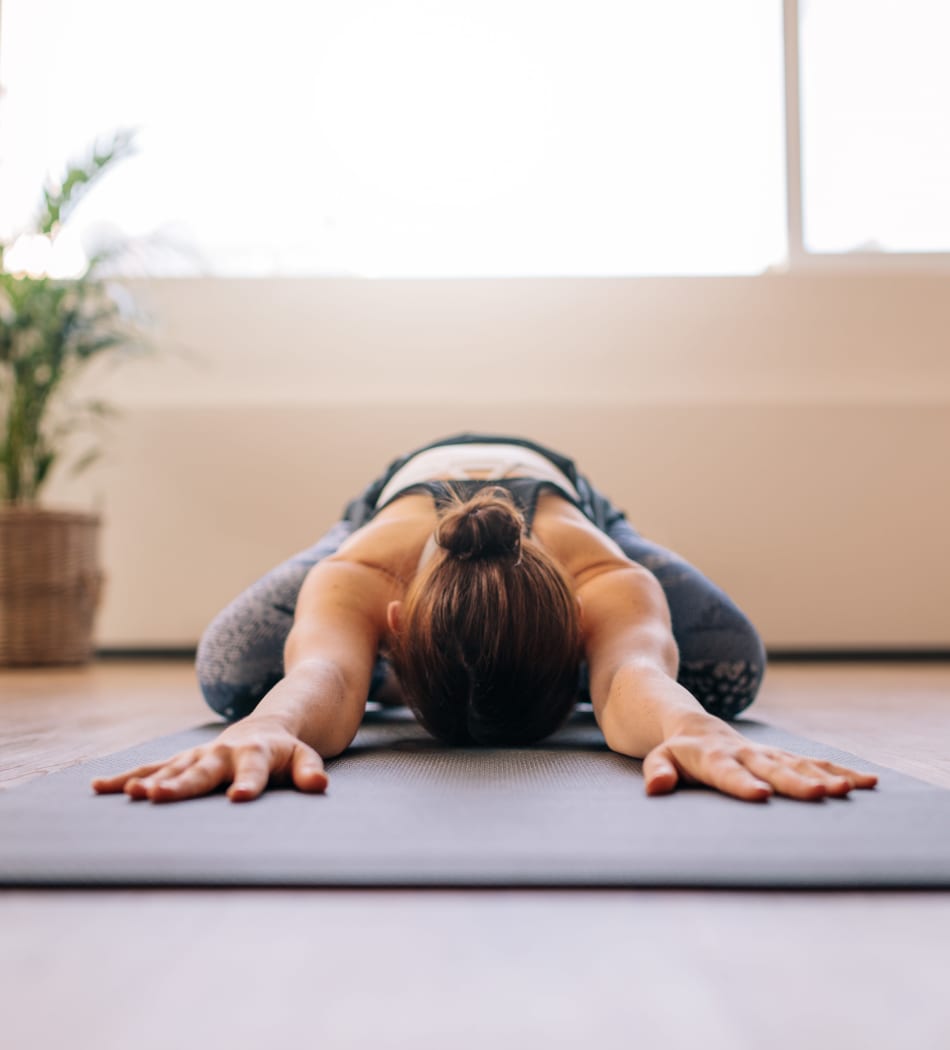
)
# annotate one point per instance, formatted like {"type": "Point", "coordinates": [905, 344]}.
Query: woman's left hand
{"type": "Point", "coordinates": [724, 759]}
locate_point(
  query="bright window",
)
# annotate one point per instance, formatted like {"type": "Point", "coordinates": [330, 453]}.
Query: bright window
{"type": "Point", "coordinates": [875, 82]}
{"type": "Point", "coordinates": [413, 138]}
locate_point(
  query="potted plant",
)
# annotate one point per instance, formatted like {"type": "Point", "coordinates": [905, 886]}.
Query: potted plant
{"type": "Point", "coordinates": [52, 327]}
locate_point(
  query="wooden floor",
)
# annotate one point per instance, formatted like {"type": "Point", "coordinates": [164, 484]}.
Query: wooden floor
{"type": "Point", "coordinates": [137, 970]}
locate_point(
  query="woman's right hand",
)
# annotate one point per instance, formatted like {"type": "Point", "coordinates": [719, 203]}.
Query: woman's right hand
{"type": "Point", "coordinates": [246, 755]}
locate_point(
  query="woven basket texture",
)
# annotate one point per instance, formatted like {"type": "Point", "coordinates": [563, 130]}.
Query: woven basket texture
{"type": "Point", "coordinates": [50, 585]}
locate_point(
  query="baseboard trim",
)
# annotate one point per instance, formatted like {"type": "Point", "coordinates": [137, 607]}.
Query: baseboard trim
{"type": "Point", "coordinates": [774, 655]}
{"type": "Point", "coordinates": [143, 652]}
{"type": "Point", "coordinates": [858, 655]}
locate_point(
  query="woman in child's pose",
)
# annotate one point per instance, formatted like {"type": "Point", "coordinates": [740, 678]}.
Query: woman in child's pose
{"type": "Point", "coordinates": [486, 584]}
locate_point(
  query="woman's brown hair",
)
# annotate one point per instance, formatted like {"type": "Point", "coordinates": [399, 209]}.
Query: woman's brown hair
{"type": "Point", "coordinates": [489, 645]}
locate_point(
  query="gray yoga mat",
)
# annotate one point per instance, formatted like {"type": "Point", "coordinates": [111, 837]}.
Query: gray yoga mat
{"type": "Point", "coordinates": [401, 810]}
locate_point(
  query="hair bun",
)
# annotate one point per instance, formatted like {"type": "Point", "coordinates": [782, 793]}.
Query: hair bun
{"type": "Point", "coordinates": [487, 526]}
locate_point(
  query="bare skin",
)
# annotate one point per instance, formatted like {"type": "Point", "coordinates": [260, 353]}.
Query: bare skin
{"type": "Point", "coordinates": [350, 606]}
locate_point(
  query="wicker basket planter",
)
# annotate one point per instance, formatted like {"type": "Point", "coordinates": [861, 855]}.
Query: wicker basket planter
{"type": "Point", "coordinates": [50, 585]}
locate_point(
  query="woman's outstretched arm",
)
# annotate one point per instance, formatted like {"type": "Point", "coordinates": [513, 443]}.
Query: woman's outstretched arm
{"type": "Point", "coordinates": [312, 713]}
{"type": "Point", "coordinates": [644, 713]}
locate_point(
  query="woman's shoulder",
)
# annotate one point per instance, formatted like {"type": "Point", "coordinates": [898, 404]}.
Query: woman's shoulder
{"type": "Point", "coordinates": [371, 568]}
{"type": "Point", "coordinates": [393, 539]}
{"type": "Point", "coordinates": [583, 549]}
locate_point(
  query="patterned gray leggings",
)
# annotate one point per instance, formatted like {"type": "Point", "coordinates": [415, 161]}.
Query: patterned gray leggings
{"type": "Point", "coordinates": [722, 659]}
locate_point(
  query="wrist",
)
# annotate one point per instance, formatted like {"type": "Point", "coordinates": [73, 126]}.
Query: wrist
{"type": "Point", "coordinates": [645, 707]}
{"type": "Point", "coordinates": [310, 704]}
{"type": "Point", "coordinates": [260, 721]}
{"type": "Point", "coordinates": [694, 722]}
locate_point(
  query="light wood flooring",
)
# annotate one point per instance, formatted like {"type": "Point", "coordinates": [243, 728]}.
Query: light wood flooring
{"type": "Point", "coordinates": [137, 970]}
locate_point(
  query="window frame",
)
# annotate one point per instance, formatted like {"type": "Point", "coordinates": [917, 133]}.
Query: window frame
{"type": "Point", "coordinates": [799, 258]}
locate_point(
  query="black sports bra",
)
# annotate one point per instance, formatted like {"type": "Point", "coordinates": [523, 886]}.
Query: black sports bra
{"type": "Point", "coordinates": [524, 492]}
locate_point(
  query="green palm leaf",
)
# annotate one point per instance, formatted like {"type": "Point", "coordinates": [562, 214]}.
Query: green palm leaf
{"type": "Point", "coordinates": [81, 176]}
{"type": "Point", "coordinates": [50, 330]}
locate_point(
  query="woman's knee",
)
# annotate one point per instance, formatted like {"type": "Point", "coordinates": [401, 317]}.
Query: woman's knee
{"type": "Point", "coordinates": [722, 657]}
{"type": "Point", "coordinates": [233, 702]}
{"type": "Point", "coordinates": [724, 689]}
{"type": "Point", "coordinates": [237, 663]}
{"type": "Point", "coordinates": [240, 655]}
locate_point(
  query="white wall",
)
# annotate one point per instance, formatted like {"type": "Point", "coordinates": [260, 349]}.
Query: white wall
{"type": "Point", "coordinates": [788, 434]}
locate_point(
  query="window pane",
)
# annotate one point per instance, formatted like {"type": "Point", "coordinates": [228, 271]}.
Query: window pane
{"type": "Point", "coordinates": [404, 137]}
{"type": "Point", "coordinates": [876, 125]}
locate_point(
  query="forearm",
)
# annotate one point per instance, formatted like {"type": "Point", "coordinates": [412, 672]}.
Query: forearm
{"type": "Point", "coordinates": [645, 706]}
{"type": "Point", "coordinates": [313, 702]}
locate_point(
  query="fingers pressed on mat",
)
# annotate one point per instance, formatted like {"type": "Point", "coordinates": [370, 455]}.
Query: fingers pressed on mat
{"type": "Point", "coordinates": [118, 780]}
{"type": "Point", "coordinates": [732, 777]}
{"type": "Point", "coordinates": [660, 774]}
{"type": "Point", "coordinates": [857, 779]}
{"type": "Point", "coordinates": [308, 770]}
{"type": "Point", "coordinates": [140, 787]}
{"type": "Point", "coordinates": [794, 782]}
{"type": "Point", "coordinates": [251, 774]}
{"type": "Point", "coordinates": [205, 774]}
{"type": "Point", "coordinates": [835, 784]}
